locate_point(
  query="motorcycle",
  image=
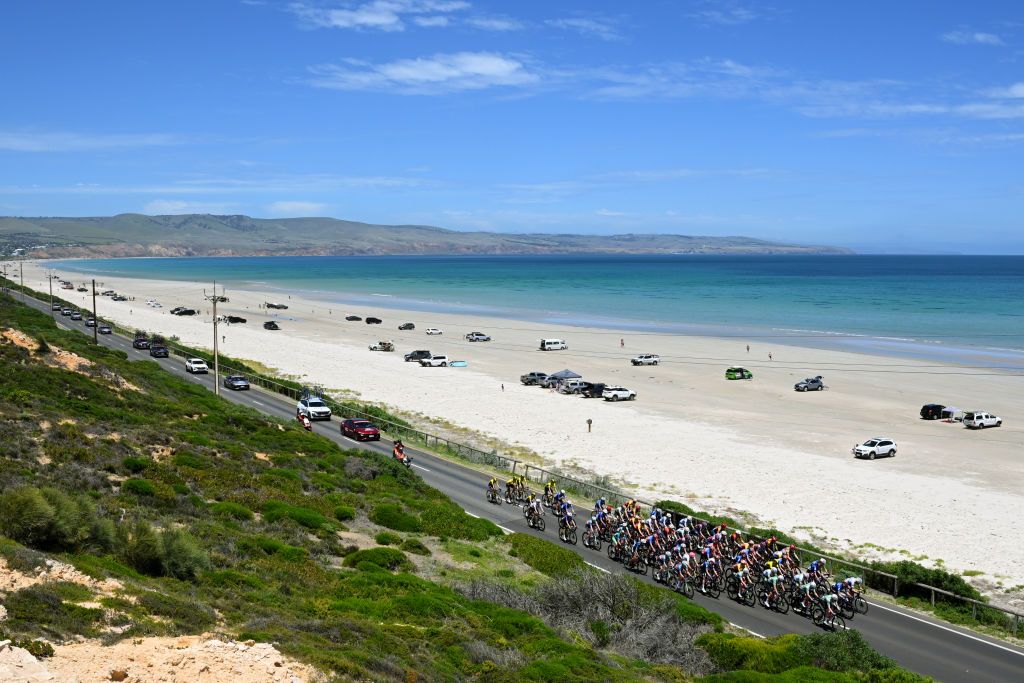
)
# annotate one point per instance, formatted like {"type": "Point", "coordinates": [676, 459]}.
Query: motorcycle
{"type": "Point", "coordinates": [398, 453]}
{"type": "Point", "coordinates": [304, 419]}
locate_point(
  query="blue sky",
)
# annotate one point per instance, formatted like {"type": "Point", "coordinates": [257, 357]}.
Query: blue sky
{"type": "Point", "coordinates": [878, 125]}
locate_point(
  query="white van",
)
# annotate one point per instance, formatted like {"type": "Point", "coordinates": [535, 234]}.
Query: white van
{"type": "Point", "coordinates": [553, 345]}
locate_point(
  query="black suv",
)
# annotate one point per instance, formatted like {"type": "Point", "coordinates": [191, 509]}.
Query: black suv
{"type": "Point", "coordinates": [270, 325]}
{"type": "Point", "coordinates": [932, 411]}
{"type": "Point", "coordinates": [373, 321]}
{"type": "Point", "coordinates": [593, 389]}
{"type": "Point", "coordinates": [407, 326]}
{"type": "Point", "coordinates": [417, 355]}
{"type": "Point", "coordinates": [159, 351]}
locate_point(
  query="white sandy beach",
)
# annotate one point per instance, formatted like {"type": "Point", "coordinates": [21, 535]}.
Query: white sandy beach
{"type": "Point", "coordinates": [755, 446]}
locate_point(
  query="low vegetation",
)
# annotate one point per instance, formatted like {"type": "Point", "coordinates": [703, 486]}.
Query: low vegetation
{"type": "Point", "coordinates": [209, 516]}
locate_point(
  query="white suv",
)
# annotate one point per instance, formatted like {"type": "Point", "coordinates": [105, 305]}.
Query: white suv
{"type": "Point", "coordinates": [980, 420]}
{"type": "Point", "coordinates": [314, 408]}
{"type": "Point", "coordinates": [875, 448]}
{"type": "Point", "coordinates": [196, 365]}
{"type": "Point", "coordinates": [618, 394]}
{"type": "Point", "coordinates": [646, 359]}
{"type": "Point", "coordinates": [434, 362]}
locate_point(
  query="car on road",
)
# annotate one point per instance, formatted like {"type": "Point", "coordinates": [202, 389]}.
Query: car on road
{"type": "Point", "coordinates": [877, 447]}
{"type": "Point", "coordinates": [434, 362]}
{"type": "Point", "coordinates": [477, 337]}
{"type": "Point", "coordinates": [66, 311]}
{"type": "Point", "coordinates": [810, 384]}
{"type": "Point", "coordinates": [434, 330]}
{"type": "Point", "coordinates": [417, 355]}
{"type": "Point", "coordinates": [76, 316]}
{"type": "Point", "coordinates": [407, 326]}
{"type": "Point", "coordinates": [932, 411]}
{"type": "Point", "coordinates": [360, 430]}
{"type": "Point", "coordinates": [976, 419]}
{"type": "Point", "coordinates": [236, 383]}
{"type": "Point", "coordinates": [271, 325]}
{"type": "Point", "coordinates": [140, 343]}
{"type": "Point", "coordinates": [353, 318]}
{"type": "Point", "coordinates": [196, 366]}
{"type": "Point", "coordinates": [104, 329]}
{"type": "Point", "coordinates": [738, 373]}
{"type": "Point", "coordinates": [533, 378]}
{"type": "Point", "coordinates": [314, 408]}
{"type": "Point", "coordinates": [157, 350]}
{"type": "Point", "coordinates": [646, 359]}
{"type": "Point", "coordinates": [618, 394]}
{"type": "Point", "coordinates": [55, 307]}
{"type": "Point", "coordinates": [373, 321]}
{"type": "Point", "coordinates": [91, 322]}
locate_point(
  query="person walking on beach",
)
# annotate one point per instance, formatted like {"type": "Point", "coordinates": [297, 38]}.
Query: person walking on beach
{"type": "Point", "coordinates": [769, 355]}
{"type": "Point", "coordinates": [503, 387]}
{"type": "Point", "coordinates": [622, 343]}
{"type": "Point", "coordinates": [748, 348]}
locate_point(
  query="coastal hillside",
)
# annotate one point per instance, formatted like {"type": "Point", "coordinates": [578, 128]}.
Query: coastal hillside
{"type": "Point", "coordinates": [151, 530]}
{"type": "Point", "coordinates": [209, 235]}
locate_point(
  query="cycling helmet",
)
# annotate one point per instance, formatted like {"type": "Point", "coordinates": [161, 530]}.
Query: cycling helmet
{"type": "Point", "coordinates": [562, 492]}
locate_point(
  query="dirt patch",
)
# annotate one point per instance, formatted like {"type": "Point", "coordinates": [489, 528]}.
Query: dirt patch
{"type": "Point", "coordinates": [261, 456]}
{"type": "Point", "coordinates": [160, 453]}
{"type": "Point", "coordinates": [52, 571]}
{"type": "Point", "coordinates": [20, 339]}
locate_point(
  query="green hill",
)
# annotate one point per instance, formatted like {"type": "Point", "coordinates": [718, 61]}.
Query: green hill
{"type": "Point", "coordinates": [208, 235]}
{"type": "Point", "coordinates": [213, 517]}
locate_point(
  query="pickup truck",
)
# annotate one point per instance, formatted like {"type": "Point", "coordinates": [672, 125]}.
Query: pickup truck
{"type": "Point", "coordinates": [434, 362]}
{"type": "Point", "coordinates": [646, 359]}
{"type": "Point", "coordinates": [979, 420]}
{"type": "Point", "coordinates": [417, 355]}
{"type": "Point", "coordinates": [382, 345]}
{"type": "Point", "coordinates": [532, 378]}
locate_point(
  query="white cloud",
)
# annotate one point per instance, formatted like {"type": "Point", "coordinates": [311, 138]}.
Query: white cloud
{"type": "Point", "coordinates": [169, 207]}
{"type": "Point", "coordinates": [724, 13]}
{"type": "Point", "coordinates": [378, 15]}
{"type": "Point", "coordinates": [610, 213]}
{"type": "Point", "coordinates": [597, 28]}
{"type": "Point", "coordinates": [965, 37]}
{"type": "Point", "coordinates": [295, 209]}
{"type": "Point", "coordinates": [1011, 92]}
{"type": "Point", "coordinates": [36, 141]}
{"type": "Point", "coordinates": [300, 183]}
{"type": "Point", "coordinates": [440, 73]}
{"type": "Point", "coordinates": [494, 23]}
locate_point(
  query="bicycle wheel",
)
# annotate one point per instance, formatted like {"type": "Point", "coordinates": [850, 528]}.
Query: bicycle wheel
{"type": "Point", "coordinates": [846, 609]}
{"type": "Point", "coordinates": [817, 614]}
{"type": "Point", "coordinates": [595, 543]}
{"type": "Point", "coordinates": [860, 605]}
{"type": "Point", "coordinates": [749, 599]}
{"type": "Point", "coordinates": [782, 604]}
{"type": "Point", "coordinates": [539, 523]}
{"type": "Point", "coordinates": [838, 623]}
{"type": "Point", "coordinates": [572, 536]}
{"type": "Point", "coordinates": [688, 589]}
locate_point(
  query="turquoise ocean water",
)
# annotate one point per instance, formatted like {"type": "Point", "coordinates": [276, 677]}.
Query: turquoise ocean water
{"type": "Point", "coordinates": [967, 309]}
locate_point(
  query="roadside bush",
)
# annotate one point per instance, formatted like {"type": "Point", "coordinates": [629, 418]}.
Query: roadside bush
{"type": "Point", "coordinates": [392, 516]}
{"type": "Point", "coordinates": [140, 487]}
{"type": "Point", "coordinates": [385, 558]}
{"type": "Point", "coordinates": [344, 512]}
{"type": "Point", "coordinates": [910, 573]}
{"type": "Point", "coordinates": [447, 519]}
{"type": "Point", "coordinates": [387, 538]}
{"type": "Point", "coordinates": [841, 651]}
{"type": "Point", "coordinates": [544, 556]}
{"type": "Point", "coordinates": [731, 652]}
{"type": "Point", "coordinates": [233, 510]}
{"type": "Point", "coordinates": [414, 546]}
{"type": "Point", "coordinates": [274, 510]}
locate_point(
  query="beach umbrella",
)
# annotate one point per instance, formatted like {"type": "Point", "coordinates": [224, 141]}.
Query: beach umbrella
{"type": "Point", "coordinates": [565, 374]}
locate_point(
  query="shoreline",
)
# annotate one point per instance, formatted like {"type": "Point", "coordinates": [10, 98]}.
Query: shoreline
{"type": "Point", "coordinates": [756, 447]}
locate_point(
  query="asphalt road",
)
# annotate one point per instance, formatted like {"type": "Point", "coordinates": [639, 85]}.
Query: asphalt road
{"type": "Point", "coordinates": [916, 642]}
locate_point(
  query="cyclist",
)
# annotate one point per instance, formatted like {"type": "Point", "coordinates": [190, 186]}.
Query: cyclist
{"type": "Point", "coordinates": [809, 593]}
{"type": "Point", "coordinates": [492, 486]}
{"type": "Point", "coordinates": [774, 585]}
{"type": "Point", "coordinates": [709, 568]}
{"type": "Point", "coordinates": [534, 509]}
{"type": "Point", "coordinates": [827, 600]}
{"type": "Point", "coordinates": [817, 568]}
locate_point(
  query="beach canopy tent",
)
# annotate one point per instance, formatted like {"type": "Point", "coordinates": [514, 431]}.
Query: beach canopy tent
{"type": "Point", "coordinates": [565, 374]}
{"type": "Point", "coordinates": [952, 413]}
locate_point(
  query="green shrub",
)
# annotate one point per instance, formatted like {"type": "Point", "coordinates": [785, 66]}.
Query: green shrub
{"type": "Point", "coordinates": [344, 512]}
{"type": "Point", "coordinates": [140, 487]}
{"type": "Point", "coordinates": [449, 520]}
{"type": "Point", "coordinates": [52, 520]}
{"type": "Point", "coordinates": [392, 516]}
{"type": "Point", "coordinates": [39, 610]}
{"type": "Point", "coordinates": [731, 652]}
{"type": "Point", "coordinates": [188, 616]}
{"type": "Point", "coordinates": [27, 517]}
{"type": "Point", "coordinates": [233, 510]}
{"type": "Point", "coordinates": [840, 651]}
{"type": "Point", "coordinates": [272, 546]}
{"type": "Point", "coordinates": [189, 460]}
{"type": "Point", "coordinates": [385, 558]}
{"type": "Point", "coordinates": [135, 464]}
{"type": "Point", "coordinates": [141, 548]}
{"type": "Point", "coordinates": [545, 557]}
{"type": "Point", "coordinates": [274, 510]}
{"type": "Point", "coordinates": [39, 649]}
{"type": "Point", "coordinates": [182, 557]}
{"type": "Point", "coordinates": [387, 538]}
{"type": "Point", "coordinates": [414, 546]}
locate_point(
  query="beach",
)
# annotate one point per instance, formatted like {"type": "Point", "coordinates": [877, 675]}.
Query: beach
{"type": "Point", "coordinates": [951, 494]}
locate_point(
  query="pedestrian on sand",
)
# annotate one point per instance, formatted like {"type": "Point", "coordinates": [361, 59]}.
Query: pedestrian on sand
{"type": "Point", "coordinates": [748, 348]}
{"type": "Point", "coordinates": [503, 387]}
{"type": "Point", "coordinates": [769, 355]}
{"type": "Point", "coordinates": [622, 343]}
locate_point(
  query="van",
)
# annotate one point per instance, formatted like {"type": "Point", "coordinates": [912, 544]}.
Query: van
{"type": "Point", "coordinates": [553, 345]}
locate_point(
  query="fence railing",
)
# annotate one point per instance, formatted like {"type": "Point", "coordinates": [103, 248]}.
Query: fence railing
{"type": "Point", "coordinates": [888, 583]}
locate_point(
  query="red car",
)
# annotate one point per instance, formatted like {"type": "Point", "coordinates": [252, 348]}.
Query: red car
{"type": "Point", "coordinates": [360, 430]}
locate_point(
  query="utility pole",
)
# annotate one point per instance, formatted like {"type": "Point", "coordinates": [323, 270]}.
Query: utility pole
{"type": "Point", "coordinates": [49, 278]}
{"type": "Point", "coordinates": [95, 320]}
{"type": "Point", "coordinates": [21, 267]}
{"type": "Point", "coordinates": [216, 349]}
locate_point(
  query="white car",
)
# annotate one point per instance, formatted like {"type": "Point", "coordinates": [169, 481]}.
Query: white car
{"type": "Point", "coordinates": [618, 394]}
{"type": "Point", "coordinates": [478, 337]}
{"type": "Point", "coordinates": [434, 362]}
{"type": "Point", "coordinates": [979, 420]}
{"type": "Point", "coordinates": [875, 448]}
{"type": "Point", "coordinates": [196, 365]}
{"type": "Point", "coordinates": [646, 359]}
{"type": "Point", "coordinates": [314, 408]}
{"type": "Point", "coordinates": [434, 330]}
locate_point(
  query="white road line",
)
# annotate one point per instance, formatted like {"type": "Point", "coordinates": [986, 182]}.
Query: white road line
{"type": "Point", "coordinates": [257, 403]}
{"type": "Point", "coordinates": [602, 569]}
{"type": "Point", "coordinates": [946, 628]}
{"type": "Point", "coordinates": [419, 467]}
{"type": "Point", "coordinates": [507, 531]}
{"type": "Point", "coordinates": [472, 515]}
{"type": "Point", "coordinates": [747, 630]}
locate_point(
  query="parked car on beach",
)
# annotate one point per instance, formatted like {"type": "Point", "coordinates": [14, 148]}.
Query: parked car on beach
{"type": "Point", "coordinates": [360, 430]}
{"type": "Point", "coordinates": [532, 378]}
{"type": "Point", "coordinates": [353, 318]}
{"type": "Point", "coordinates": [271, 325]}
{"type": "Point", "coordinates": [382, 345]}
{"type": "Point", "coordinates": [417, 355]}
{"type": "Point", "coordinates": [738, 373]}
{"type": "Point", "coordinates": [407, 326]}
{"type": "Point", "coordinates": [875, 448]}
{"type": "Point", "coordinates": [618, 394]}
{"type": "Point", "coordinates": [810, 384]}
{"type": "Point", "coordinates": [571, 386]}
{"type": "Point", "coordinates": [932, 411]}
{"type": "Point", "coordinates": [478, 337]}
{"type": "Point", "coordinates": [553, 345]}
{"type": "Point", "coordinates": [277, 306]}
{"type": "Point", "coordinates": [979, 420]}
{"type": "Point", "coordinates": [646, 359]}
{"type": "Point", "coordinates": [593, 389]}
{"type": "Point", "coordinates": [434, 330]}
{"type": "Point", "coordinates": [373, 321]}
{"type": "Point", "coordinates": [434, 362]}
{"type": "Point", "coordinates": [196, 366]}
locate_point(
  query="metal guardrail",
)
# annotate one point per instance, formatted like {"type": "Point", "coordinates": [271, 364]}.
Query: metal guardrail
{"type": "Point", "coordinates": [1011, 618]}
